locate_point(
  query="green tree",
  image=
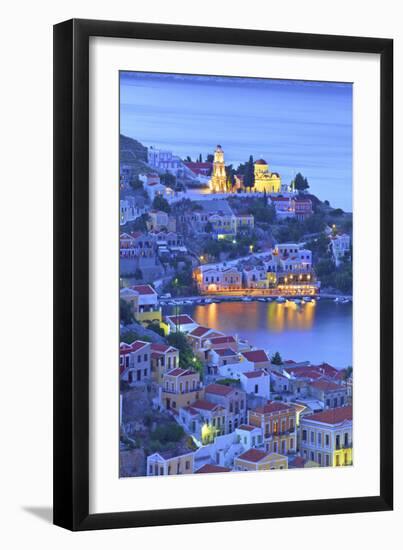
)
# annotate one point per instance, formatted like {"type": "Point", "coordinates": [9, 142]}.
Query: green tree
{"type": "Point", "coordinates": [138, 274]}
{"type": "Point", "coordinates": [249, 175]}
{"type": "Point", "coordinates": [210, 158]}
{"type": "Point", "coordinates": [187, 359]}
{"type": "Point", "coordinates": [168, 179]}
{"type": "Point", "coordinates": [136, 183]}
{"type": "Point", "coordinates": [301, 183]}
{"type": "Point", "coordinates": [126, 313]}
{"type": "Point", "coordinates": [208, 227]}
{"type": "Point", "coordinates": [159, 203]}
{"type": "Point", "coordinates": [276, 359]}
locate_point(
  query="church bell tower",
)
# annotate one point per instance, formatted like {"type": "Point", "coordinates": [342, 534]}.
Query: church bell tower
{"type": "Point", "coordinates": [219, 179]}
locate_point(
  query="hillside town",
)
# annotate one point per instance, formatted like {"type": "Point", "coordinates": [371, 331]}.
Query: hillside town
{"type": "Point", "coordinates": [195, 399]}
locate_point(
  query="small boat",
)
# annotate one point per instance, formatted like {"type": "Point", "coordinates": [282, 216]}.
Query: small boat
{"type": "Point", "coordinates": [317, 298]}
{"type": "Point", "coordinates": [261, 300]}
{"type": "Point", "coordinates": [199, 301]}
{"type": "Point", "coordinates": [307, 299]}
{"type": "Point", "coordinates": [296, 301]}
{"type": "Point", "coordinates": [246, 299]}
{"type": "Point", "coordinates": [281, 300]}
{"type": "Point", "coordinates": [208, 301]}
{"type": "Point", "coordinates": [268, 299]}
{"type": "Point", "coordinates": [337, 300]}
{"type": "Point", "coordinates": [345, 301]}
{"type": "Point", "coordinates": [188, 302]}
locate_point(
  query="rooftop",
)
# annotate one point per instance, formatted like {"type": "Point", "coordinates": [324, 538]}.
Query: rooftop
{"type": "Point", "coordinates": [212, 469]}
{"type": "Point", "coordinates": [143, 289]}
{"type": "Point", "coordinates": [273, 406]}
{"type": "Point", "coordinates": [256, 356]}
{"type": "Point", "coordinates": [332, 416]}
{"type": "Point", "coordinates": [181, 319]}
{"type": "Point", "coordinates": [253, 455]}
{"type": "Point", "coordinates": [219, 389]}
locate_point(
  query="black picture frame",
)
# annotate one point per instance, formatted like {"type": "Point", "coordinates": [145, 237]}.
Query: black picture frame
{"type": "Point", "coordinates": [71, 274]}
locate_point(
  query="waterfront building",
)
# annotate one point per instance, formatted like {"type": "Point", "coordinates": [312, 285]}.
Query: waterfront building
{"type": "Point", "coordinates": [135, 362]}
{"type": "Point", "coordinates": [255, 460]}
{"type": "Point", "coordinates": [180, 387]}
{"type": "Point", "coordinates": [137, 245]}
{"type": "Point", "coordinates": [218, 181]}
{"type": "Point", "coordinates": [266, 181]}
{"type": "Point", "coordinates": [148, 309]}
{"type": "Point", "coordinates": [340, 248]}
{"type": "Point", "coordinates": [220, 278]}
{"type": "Point", "coordinates": [164, 358]}
{"type": "Point", "coordinates": [165, 463]}
{"type": "Point", "coordinates": [278, 422]}
{"type": "Point", "coordinates": [233, 399]}
{"type": "Point", "coordinates": [326, 437]}
{"type": "Point", "coordinates": [179, 323]}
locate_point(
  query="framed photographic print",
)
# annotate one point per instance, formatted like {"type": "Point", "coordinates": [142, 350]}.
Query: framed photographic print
{"type": "Point", "coordinates": [223, 274]}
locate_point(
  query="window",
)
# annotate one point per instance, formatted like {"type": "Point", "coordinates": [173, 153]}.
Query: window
{"type": "Point", "coordinates": [256, 388]}
{"type": "Point", "coordinates": [327, 440]}
{"type": "Point", "coordinates": [304, 435]}
{"type": "Point", "coordinates": [327, 460]}
{"type": "Point", "coordinates": [341, 401]}
{"type": "Point", "coordinates": [337, 460]}
{"type": "Point", "coordinates": [312, 455]}
{"type": "Point", "coordinates": [187, 465]}
{"type": "Point", "coordinates": [138, 358]}
{"type": "Point", "coordinates": [312, 438]}
{"type": "Point", "coordinates": [145, 356]}
{"type": "Point", "coordinates": [319, 438]}
{"type": "Point", "coordinates": [145, 372]}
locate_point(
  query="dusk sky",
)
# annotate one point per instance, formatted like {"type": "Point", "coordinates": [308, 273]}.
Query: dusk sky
{"type": "Point", "coordinates": [295, 126]}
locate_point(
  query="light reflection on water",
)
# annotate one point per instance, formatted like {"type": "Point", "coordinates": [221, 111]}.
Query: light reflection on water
{"type": "Point", "coordinates": [316, 332]}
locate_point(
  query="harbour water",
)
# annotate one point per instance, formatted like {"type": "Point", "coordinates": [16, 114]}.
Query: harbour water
{"type": "Point", "coordinates": [316, 331]}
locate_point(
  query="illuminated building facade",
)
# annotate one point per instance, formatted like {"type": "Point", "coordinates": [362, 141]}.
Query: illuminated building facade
{"type": "Point", "coordinates": [218, 182]}
{"type": "Point", "coordinates": [266, 180]}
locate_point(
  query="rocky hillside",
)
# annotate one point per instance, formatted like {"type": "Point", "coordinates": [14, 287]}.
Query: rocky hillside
{"type": "Point", "coordinates": [132, 150]}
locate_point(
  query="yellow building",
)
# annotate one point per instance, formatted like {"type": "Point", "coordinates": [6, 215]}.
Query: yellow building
{"type": "Point", "coordinates": [218, 181]}
{"type": "Point", "coordinates": [180, 388]}
{"type": "Point", "coordinates": [266, 180]}
{"type": "Point", "coordinates": [166, 463]}
{"type": "Point", "coordinates": [255, 460]}
{"type": "Point", "coordinates": [326, 437]}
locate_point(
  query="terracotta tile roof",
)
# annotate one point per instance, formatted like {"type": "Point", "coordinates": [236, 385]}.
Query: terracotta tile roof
{"type": "Point", "coordinates": [135, 346]}
{"type": "Point", "coordinates": [332, 416]}
{"type": "Point", "coordinates": [212, 469]}
{"type": "Point", "coordinates": [256, 356]}
{"type": "Point", "coordinates": [253, 455]}
{"type": "Point", "coordinates": [204, 405]}
{"type": "Point", "coordinates": [304, 372]}
{"type": "Point", "coordinates": [247, 427]}
{"type": "Point", "coordinates": [273, 406]}
{"type": "Point", "coordinates": [180, 372]}
{"type": "Point", "coordinates": [222, 340]}
{"type": "Point", "coordinates": [200, 331]}
{"type": "Point", "coordinates": [181, 319]}
{"type": "Point", "coordinates": [143, 289]}
{"type": "Point", "coordinates": [226, 352]}
{"type": "Point", "coordinates": [325, 385]}
{"type": "Point", "coordinates": [254, 373]}
{"type": "Point", "coordinates": [162, 348]}
{"type": "Point", "coordinates": [219, 389]}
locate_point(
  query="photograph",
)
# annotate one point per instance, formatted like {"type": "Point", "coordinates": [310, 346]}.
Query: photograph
{"type": "Point", "coordinates": [236, 282]}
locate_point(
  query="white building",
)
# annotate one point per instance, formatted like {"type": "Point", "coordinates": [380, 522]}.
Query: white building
{"type": "Point", "coordinates": [128, 210]}
{"type": "Point", "coordinates": [340, 247]}
{"type": "Point", "coordinates": [165, 161]}
{"type": "Point", "coordinates": [256, 382]}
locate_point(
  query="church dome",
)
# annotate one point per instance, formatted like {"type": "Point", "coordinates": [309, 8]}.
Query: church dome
{"type": "Point", "coordinates": [260, 161]}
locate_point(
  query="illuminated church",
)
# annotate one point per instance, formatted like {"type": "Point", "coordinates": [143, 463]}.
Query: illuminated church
{"type": "Point", "coordinates": [218, 182]}
{"type": "Point", "coordinates": [265, 180]}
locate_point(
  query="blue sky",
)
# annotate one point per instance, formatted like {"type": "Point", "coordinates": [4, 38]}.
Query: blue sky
{"type": "Point", "coordinates": [296, 126]}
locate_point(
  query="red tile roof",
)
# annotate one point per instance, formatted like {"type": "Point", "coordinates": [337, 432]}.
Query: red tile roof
{"type": "Point", "coordinates": [219, 389]}
{"type": "Point", "coordinates": [204, 405]}
{"type": "Point", "coordinates": [212, 469]}
{"type": "Point", "coordinates": [179, 372]}
{"type": "Point", "coordinates": [225, 352]}
{"type": "Point", "coordinates": [200, 331]}
{"type": "Point", "coordinates": [304, 372]}
{"type": "Point", "coordinates": [143, 289]}
{"type": "Point", "coordinates": [253, 455]}
{"type": "Point", "coordinates": [247, 427]}
{"type": "Point", "coordinates": [273, 406]}
{"type": "Point", "coordinates": [332, 416]}
{"type": "Point", "coordinates": [135, 346]}
{"type": "Point", "coordinates": [181, 319]}
{"type": "Point", "coordinates": [254, 373]}
{"type": "Point", "coordinates": [162, 348]}
{"type": "Point", "coordinates": [325, 385]}
{"type": "Point", "coordinates": [256, 356]}
{"type": "Point", "coordinates": [222, 340]}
